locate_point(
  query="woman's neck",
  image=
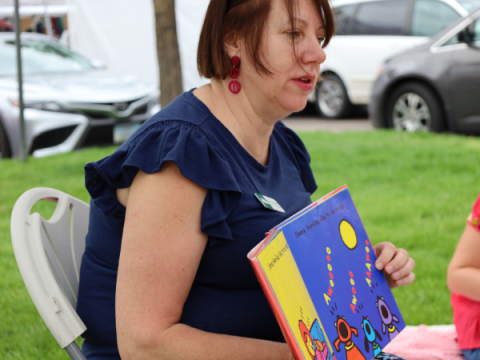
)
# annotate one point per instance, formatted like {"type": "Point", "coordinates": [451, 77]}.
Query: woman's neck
{"type": "Point", "coordinates": [236, 113]}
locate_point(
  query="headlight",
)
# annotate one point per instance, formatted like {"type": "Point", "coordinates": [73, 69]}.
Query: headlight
{"type": "Point", "coordinates": [48, 106]}
{"type": "Point", "coordinates": [41, 105]}
{"type": "Point", "coordinates": [380, 70]}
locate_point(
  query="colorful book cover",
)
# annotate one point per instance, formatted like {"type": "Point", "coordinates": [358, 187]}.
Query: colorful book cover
{"type": "Point", "coordinates": [317, 269]}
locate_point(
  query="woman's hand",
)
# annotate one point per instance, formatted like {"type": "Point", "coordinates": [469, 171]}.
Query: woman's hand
{"type": "Point", "coordinates": [395, 263]}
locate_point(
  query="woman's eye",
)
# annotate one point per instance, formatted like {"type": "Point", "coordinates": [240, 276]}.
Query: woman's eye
{"type": "Point", "coordinates": [294, 33]}
{"type": "Point", "coordinates": [321, 40]}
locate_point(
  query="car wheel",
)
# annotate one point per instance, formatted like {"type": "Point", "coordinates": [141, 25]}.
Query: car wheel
{"type": "Point", "coordinates": [331, 98]}
{"type": "Point", "coordinates": [5, 151]}
{"type": "Point", "coordinates": [414, 107]}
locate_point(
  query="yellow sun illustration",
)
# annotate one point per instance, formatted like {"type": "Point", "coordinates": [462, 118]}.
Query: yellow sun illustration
{"type": "Point", "coordinates": [348, 235]}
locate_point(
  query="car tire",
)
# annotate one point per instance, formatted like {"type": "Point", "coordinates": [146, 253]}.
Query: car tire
{"type": "Point", "coordinates": [5, 151]}
{"type": "Point", "coordinates": [414, 107]}
{"type": "Point", "coordinates": [331, 98]}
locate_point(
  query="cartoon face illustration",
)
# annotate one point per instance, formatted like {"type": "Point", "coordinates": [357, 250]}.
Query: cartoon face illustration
{"type": "Point", "coordinates": [316, 332]}
{"type": "Point", "coordinates": [371, 334]}
{"type": "Point", "coordinates": [384, 311]}
{"type": "Point", "coordinates": [345, 332]}
{"type": "Point", "coordinates": [321, 351]}
{"type": "Point", "coordinates": [307, 339]}
{"type": "Point", "coordinates": [387, 318]}
{"type": "Point", "coordinates": [371, 337]}
{"type": "Point", "coordinates": [314, 340]}
{"type": "Point", "coordinates": [319, 345]}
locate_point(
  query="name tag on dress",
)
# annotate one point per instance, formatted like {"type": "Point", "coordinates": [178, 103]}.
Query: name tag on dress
{"type": "Point", "coordinates": [269, 203]}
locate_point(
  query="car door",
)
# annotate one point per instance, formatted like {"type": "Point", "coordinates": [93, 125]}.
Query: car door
{"type": "Point", "coordinates": [465, 77]}
{"type": "Point", "coordinates": [373, 33]}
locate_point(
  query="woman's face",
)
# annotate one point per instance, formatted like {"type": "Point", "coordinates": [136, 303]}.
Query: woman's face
{"type": "Point", "coordinates": [292, 80]}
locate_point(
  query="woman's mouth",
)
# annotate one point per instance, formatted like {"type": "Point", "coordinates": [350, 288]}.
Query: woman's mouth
{"type": "Point", "coordinates": [304, 82]}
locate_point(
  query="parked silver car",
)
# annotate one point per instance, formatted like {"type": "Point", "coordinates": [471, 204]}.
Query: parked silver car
{"type": "Point", "coordinates": [70, 102]}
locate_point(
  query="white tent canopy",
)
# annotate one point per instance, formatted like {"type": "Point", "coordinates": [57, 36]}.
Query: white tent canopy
{"type": "Point", "coordinates": [34, 7]}
{"type": "Point", "coordinates": [121, 33]}
{"type": "Point", "coordinates": [33, 2]}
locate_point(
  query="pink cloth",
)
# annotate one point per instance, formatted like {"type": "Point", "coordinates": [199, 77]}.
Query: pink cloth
{"type": "Point", "coordinates": [421, 343]}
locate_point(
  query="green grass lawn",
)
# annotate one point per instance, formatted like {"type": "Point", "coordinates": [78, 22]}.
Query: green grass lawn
{"type": "Point", "coordinates": [414, 190]}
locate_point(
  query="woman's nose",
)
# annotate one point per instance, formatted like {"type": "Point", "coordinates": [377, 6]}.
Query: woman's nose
{"type": "Point", "coordinates": [313, 51]}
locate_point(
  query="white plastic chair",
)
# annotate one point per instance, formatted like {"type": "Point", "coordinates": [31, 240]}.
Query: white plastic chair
{"type": "Point", "coordinates": [48, 254]}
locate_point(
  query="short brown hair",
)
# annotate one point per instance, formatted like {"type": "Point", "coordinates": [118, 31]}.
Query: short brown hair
{"type": "Point", "coordinates": [247, 18]}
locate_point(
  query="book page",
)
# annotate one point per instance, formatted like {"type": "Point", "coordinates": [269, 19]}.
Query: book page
{"type": "Point", "coordinates": [287, 284]}
{"type": "Point", "coordinates": [337, 264]}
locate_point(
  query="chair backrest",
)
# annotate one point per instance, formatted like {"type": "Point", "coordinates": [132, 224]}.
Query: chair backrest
{"type": "Point", "coordinates": [48, 254]}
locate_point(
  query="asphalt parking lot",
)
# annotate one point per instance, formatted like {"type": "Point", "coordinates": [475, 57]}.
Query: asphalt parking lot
{"type": "Point", "coordinates": [308, 120]}
{"type": "Point", "coordinates": [301, 123]}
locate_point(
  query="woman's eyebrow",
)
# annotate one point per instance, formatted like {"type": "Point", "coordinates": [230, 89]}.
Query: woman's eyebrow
{"type": "Point", "coordinates": [301, 22]}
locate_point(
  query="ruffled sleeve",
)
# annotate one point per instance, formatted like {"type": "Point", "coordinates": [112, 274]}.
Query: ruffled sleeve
{"type": "Point", "coordinates": [302, 158]}
{"type": "Point", "coordinates": [178, 141]}
{"type": "Point", "coordinates": [474, 217]}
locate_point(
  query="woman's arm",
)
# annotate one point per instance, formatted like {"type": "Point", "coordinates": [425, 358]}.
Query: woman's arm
{"type": "Point", "coordinates": [463, 275]}
{"type": "Point", "coordinates": [161, 249]}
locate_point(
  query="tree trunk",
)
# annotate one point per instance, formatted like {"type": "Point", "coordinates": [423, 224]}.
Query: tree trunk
{"type": "Point", "coordinates": [167, 51]}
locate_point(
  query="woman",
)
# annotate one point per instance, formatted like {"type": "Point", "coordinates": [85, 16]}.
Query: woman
{"type": "Point", "coordinates": [178, 196]}
{"type": "Point", "coordinates": [463, 280]}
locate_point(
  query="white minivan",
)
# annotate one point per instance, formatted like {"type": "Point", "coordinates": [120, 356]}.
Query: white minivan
{"type": "Point", "coordinates": [368, 32]}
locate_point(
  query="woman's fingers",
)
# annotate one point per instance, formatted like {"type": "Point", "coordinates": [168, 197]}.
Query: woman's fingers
{"type": "Point", "coordinates": [403, 271]}
{"type": "Point", "coordinates": [406, 280]}
{"type": "Point", "coordinates": [396, 263]}
{"type": "Point", "coordinates": [385, 252]}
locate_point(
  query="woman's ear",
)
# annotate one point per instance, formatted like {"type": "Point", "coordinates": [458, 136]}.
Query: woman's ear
{"type": "Point", "coordinates": [233, 45]}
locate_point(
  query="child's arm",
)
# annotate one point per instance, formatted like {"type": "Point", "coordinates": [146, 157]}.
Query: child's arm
{"type": "Point", "coordinates": [463, 275]}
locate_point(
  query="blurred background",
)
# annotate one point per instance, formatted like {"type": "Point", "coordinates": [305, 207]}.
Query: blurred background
{"type": "Point", "coordinates": [396, 117]}
{"type": "Point", "coordinates": [91, 69]}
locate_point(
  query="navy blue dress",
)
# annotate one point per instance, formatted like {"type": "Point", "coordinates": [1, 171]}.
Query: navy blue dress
{"type": "Point", "coordinates": [226, 297]}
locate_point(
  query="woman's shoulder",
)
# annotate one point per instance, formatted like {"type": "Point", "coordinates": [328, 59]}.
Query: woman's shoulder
{"type": "Point", "coordinates": [185, 108]}
{"type": "Point", "coordinates": [176, 134]}
{"type": "Point", "coordinates": [185, 121]}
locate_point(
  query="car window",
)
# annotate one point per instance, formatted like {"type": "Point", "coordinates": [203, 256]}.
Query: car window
{"type": "Point", "coordinates": [431, 16]}
{"type": "Point", "coordinates": [452, 41]}
{"type": "Point", "coordinates": [472, 32]}
{"type": "Point", "coordinates": [344, 15]}
{"type": "Point", "coordinates": [470, 4]}
{"type": "Point", "coordinates": [381, 18]}
{"type": "Point", "coordinates": [476, 31]}
{"type": "Point", "coordinates": [40, 57]}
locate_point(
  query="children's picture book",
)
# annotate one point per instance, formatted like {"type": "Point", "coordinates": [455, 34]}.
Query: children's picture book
{"type": "Point", "coordinates": [317, 269]}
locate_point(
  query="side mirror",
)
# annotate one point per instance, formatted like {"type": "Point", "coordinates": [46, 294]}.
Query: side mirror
{"type": "Point", "coordinates": [98, 64]}
{"type": "Point", "coordinates": [464, 37]}
{"type": "Point", "coordinates": [470, 35]}
{"type": "Point", "coordinates": [474, 31]}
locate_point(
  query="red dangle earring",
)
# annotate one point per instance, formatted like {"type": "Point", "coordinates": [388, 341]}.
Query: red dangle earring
{"type": "Point", "coordinates": [234, 85]}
